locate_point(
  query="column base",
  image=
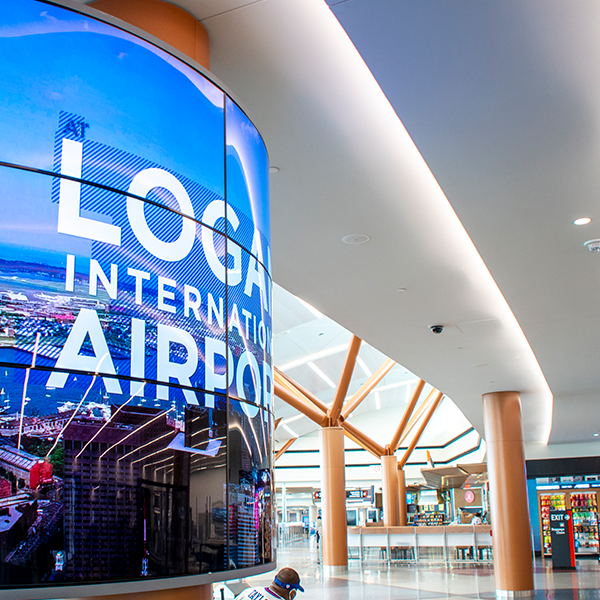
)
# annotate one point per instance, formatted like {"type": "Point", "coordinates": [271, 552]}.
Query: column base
{"type": "Point", "coordinates": [333, 570]}
{"type": "Point", "coordinates": [514, 593]}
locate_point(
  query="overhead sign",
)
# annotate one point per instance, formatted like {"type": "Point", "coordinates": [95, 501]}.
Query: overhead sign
{"type": "Point", "coordinates": [359, 494]}
{"type": "Point", "coordinates": [464, 498]}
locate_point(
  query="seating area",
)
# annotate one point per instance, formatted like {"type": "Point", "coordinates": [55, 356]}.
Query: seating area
{"type": "Point", "coordinates": [440, 544]}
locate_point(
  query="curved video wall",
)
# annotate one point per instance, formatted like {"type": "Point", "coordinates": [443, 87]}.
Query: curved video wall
{"type": "Point", "coordinates": [135, 311]}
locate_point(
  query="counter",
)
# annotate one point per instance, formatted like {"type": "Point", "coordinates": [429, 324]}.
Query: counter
{"type": "Point", "coordinates": [428, 544]}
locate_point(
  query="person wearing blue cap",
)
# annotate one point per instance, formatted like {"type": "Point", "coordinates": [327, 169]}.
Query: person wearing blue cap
{"type": "Point", "coordinates": [285, 586]}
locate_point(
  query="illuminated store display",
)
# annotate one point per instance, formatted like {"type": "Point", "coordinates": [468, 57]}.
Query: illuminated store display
{"type": "Point", "coordinates": [584, 509]}
{"type": "Point", "coordinates": [135, 323]}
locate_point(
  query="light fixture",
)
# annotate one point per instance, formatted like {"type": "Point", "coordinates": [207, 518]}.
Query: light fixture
{"type": "Point", "coordinates": [383, 388]}
{"type": "Point", "coordinates": [273, 170]}
{"type": "Point", "coordinates": [321, 374]}
{"type": "Point", "coordinates": [582, 221]}
{"type": "Point", "coordinates": [363, 366]}
{"type": "Point", "coordinates": [291, 420]}
{"type": "Point", "coordinates": [377, 401]}
{"type": "Point", "coordinates": [290, 431]}
{"type": "Point", "coordinates": [596, 434]}
{"type": "Point", "coordinates": [314, 356]}
{"type": "Point", "coordinates": [355, 238]}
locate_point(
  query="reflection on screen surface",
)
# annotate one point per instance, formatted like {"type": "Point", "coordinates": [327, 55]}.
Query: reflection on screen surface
{"type": "Point", "coordinates": [135, 311]}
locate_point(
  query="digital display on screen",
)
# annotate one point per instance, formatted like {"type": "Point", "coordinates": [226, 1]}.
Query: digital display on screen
{"type": "Point", "coordinates": [136, 378]}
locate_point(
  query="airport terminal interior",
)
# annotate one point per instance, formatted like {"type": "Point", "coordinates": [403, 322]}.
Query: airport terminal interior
{"type": "Point", "coordinates": [299, 283]}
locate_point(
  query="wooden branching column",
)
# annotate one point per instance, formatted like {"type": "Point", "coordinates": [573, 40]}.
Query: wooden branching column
{"type": "Point", "coordinates": [334, 426]}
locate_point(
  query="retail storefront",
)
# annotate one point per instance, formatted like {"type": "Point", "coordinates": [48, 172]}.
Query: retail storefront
{"type": "Point", "coordinates": [566, 484]}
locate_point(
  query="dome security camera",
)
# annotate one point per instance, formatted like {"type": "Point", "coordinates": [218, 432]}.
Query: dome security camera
{"type": "Point", "coordinates": [437, 328]}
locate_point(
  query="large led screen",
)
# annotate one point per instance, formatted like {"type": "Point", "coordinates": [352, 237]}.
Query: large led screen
{"type": "Point", "coordinates": [135, 311]}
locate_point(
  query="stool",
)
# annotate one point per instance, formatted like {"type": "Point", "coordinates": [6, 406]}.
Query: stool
{"type": "Point", "coordinates": [406, 552]}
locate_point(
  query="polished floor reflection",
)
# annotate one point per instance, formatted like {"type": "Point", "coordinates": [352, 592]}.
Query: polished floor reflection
{"type": "Point", "coordinates": [375, 580]}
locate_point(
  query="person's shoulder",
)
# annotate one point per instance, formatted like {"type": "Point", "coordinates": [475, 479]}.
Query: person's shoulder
{"type": "Point", "coordinates": [252, 594]}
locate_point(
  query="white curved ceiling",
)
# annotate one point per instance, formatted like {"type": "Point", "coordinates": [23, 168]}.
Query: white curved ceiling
{"type": "Point", "coordinates": [311, 349]}
{"type": "Point", "coordinates": [348, 166]}
{"type": "Point", "coordinates": [500, 99]}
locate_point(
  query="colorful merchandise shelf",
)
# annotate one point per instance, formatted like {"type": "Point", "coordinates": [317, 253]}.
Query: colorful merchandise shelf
{"type": "Point", "coordinates": [584, 506]}
{"type": "Point", "coordinates": [425, 519]}
{"type": "Point", "coordinates": [585, 522]}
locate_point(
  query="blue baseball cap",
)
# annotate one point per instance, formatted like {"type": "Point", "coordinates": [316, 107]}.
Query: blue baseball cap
{"type": "Point", "coordinates": [287, 573]}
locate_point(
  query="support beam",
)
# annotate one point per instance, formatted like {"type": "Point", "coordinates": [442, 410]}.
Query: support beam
{"type": "Point", "coordinates": [345, 377]}
{"type": "Point", "coordinates": [284, 448]}
{"type": "Point", "coordinates": [513, 567]}
{"type": "Point", "coordinates": [276, 424]}
{"type": "Point", "coordinates": [406, 416]}
{"type": "Point", "coordinates": [420, 431]}
{"type": "Point", "coordinates": [402, 497]}
{"type": "Point", "coordinates": [281, 377]}
{"type": "Point", "coordinates": [360, 443]}
{"type": "Point", "coordinates": [391, 499]}
{"type": "Point", "coordinates": [290, 388]}
{"type": "Point", "coordinates": [333, 500]}
{"type": "Point", "coordinates": [365, 441]}
{"type": "Point", "coordinates": [415, 418]}
{"type": "Point", "coordinates": [300, 405]}
{"type": "Point", "coordinates": [367, 388]}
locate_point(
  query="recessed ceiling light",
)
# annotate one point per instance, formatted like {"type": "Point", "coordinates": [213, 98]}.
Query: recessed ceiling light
{"type": "Point", "coordinates": [582, 221]}
{"type": "Point", "coordinates": [596, 434]}
{"type": "Point", "coordinates": [356, 238]}
{"type": "Point", "coordinates": [273, 169]}
{"type": "Point", "coordinates": [401, 290]}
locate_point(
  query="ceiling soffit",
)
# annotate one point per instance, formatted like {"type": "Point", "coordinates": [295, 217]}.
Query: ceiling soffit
{"type": "Point", "coordinates": [347, 165]}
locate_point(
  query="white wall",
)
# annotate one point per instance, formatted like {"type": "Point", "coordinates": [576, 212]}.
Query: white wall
{"type": "Point", "coordinates": [535, 450]}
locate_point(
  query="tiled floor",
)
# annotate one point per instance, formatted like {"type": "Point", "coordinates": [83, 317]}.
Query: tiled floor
{"type": "Point", "coordinates": [373, 580]}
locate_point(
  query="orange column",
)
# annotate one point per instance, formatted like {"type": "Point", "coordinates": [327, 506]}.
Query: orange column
{"type": "Point", "coordinates": [402, 497]}
{"type": "Point", "coordinates": [197, 592]}
{"type": "Point", "coordinates": [513, 567]}
{"type": "Point", "coordinates": [333, 500]}
{"type": "Point", "coordinates": [391, 502]}
{"type": "Point", "coordinates": [166, 21]}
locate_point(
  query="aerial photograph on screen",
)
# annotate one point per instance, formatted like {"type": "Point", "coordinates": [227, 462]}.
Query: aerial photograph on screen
{"type": "Point", "coordinates": [135, 311]}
